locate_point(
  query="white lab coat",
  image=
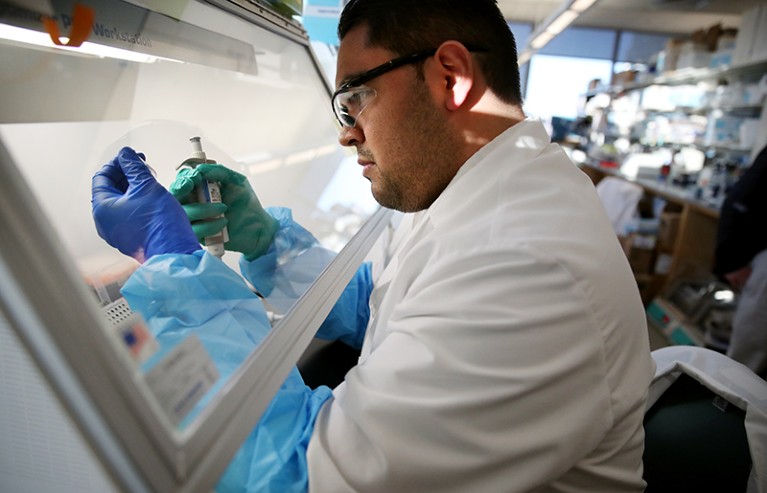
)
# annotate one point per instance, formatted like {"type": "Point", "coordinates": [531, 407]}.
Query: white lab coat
{"type": "Point", "coordinates": [507, 349]}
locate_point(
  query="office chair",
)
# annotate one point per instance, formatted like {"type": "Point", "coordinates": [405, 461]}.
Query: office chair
{"type": "Point", "coordinates": [705, 425]}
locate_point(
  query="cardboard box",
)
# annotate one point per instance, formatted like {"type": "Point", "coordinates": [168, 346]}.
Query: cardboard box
{"type": "Point", "coordinates": [668, 230]}
{"type": "Point", "coordinates": [727, 39]}
{"type": "Point", "coordinates": [708, 38]}
{"type": "Point", "coordinates": [649, 286]}
{"type": "Point", "coordinates": [644, 283]}
{"type": "Point", "coordinates": [668, 58]}
{"type": "Point", "coordinates": [641, 260]}
{"type": "Point", "coordinates": [623, 78]}
{"type": "Point", "coordinates": [640, 251]}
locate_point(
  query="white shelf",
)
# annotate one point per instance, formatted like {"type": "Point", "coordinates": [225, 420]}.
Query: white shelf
{"type": "Point", "coordinates": [749, 71]}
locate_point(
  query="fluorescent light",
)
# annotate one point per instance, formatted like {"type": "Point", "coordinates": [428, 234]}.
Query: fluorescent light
{"type": "Point", "coordinates": [524, 57]}
{"type": "Point", "coordinates": [581, 5]}
{"type": "Point", "coordinates": [560, 23]}
{"type": "Point", "coordinates": [554, 24]}
{"type": "Point", "coordinates": [541, 40]}
{"type": "Point", "coordinates": [27, 36]}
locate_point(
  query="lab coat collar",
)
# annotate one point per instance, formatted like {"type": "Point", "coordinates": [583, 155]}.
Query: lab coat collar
{"type": "Point", "coordinates": [516, 146]}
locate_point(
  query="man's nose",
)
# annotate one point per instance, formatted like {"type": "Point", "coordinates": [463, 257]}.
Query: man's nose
{"type": "Point", "coordinates": [350, 136]}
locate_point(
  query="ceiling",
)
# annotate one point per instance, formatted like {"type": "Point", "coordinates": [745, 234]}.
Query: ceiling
{"type": "Point", "coordinates": [663, 16]}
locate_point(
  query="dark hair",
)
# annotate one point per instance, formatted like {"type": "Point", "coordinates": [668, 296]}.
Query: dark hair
{"type": "Point", "coordinates": [411, 26]}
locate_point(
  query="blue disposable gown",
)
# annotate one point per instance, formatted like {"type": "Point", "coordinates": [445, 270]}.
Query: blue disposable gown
{"type": "Point", "coordinates": [181, 295]}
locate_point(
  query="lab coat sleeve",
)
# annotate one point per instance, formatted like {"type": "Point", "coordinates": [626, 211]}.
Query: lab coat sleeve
{"type": "Point", "coordinates": [490, 377]}
{"type": "Point", "coordinates": [292, 264]}
{"type": "Point", "coordinates": [184, 295]}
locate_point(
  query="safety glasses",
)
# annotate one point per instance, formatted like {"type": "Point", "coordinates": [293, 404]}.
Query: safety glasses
{"type": "Point", "coordinates": [352, 97]}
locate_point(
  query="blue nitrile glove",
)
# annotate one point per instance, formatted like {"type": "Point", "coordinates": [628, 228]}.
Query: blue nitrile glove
{"type": "Point", "coordinates": [250, 227]}
{"type": "Point", "coordinates": [134, 213]}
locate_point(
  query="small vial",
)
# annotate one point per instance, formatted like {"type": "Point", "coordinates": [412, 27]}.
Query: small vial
{"type": "Point", "coordinates": [207, 192]}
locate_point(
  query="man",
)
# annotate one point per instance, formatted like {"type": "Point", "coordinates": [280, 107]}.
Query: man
{"type": "Point", "coordinates": [741, 258]}
{"type": "Point", "coordinates": [505, 348]}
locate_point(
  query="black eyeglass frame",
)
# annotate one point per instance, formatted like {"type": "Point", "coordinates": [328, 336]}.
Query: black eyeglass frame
{"type": "Point", "coordinates": [382, 69]}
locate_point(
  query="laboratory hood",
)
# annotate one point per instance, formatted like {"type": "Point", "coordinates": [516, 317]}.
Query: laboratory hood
{"type": "Point", "coordinates": [85, 407]}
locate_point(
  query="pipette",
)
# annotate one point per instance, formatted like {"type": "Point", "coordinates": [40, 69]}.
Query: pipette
{"type": "Point", "coordinates": [207, 192]}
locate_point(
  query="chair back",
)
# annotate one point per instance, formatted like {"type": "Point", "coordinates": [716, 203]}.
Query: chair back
{"type": "Point", "coordinates": [705, 425]}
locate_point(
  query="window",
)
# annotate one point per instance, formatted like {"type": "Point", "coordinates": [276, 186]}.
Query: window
{"type": "Point", "coordinates": [636, 47]}
{"type": "Point", "coordinates": [582, 42]}
{"type": "Point", "coordinates": [521, 31]}
{"type": "Point", "coordinates": [559, 74]}
{"type": "Point", "coordinates": [557, 83]}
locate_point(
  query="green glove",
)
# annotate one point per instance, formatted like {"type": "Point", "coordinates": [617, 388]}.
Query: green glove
{"type": "Point", "coordinates": [251, 228]}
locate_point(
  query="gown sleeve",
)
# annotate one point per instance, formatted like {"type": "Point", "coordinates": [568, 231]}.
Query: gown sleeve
{"type": "Point", "coordinates": [292, 264]}
{"type": "Point", "coordinates": [181, 296]}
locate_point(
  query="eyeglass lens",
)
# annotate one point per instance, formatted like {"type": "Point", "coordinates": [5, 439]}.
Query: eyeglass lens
{"type": "Point", "coordinates": [348, 104]}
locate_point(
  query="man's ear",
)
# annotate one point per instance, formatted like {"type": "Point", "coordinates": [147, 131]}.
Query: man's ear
{"type": "Point", "coordinates": [457, 72]}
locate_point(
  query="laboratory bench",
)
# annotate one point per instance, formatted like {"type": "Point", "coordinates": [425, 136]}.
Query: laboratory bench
{"type": "Point", "coordinates": [674, 274]}
{"type": "Point", "coordinates": [687, 231]}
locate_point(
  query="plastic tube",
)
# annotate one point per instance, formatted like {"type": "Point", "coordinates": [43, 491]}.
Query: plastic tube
{"type": "Point", "coordinates": [207, 192]}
